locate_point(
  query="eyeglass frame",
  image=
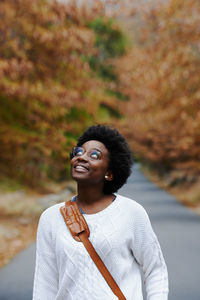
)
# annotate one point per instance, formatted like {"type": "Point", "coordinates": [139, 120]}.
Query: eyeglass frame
{"type": "Point", "coordinates": [72, 155]}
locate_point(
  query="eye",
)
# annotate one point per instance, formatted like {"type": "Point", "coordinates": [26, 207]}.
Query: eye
{"type": "Point", "coordinates": [95, 154]}
{"type": "Point", "coordinates": [78, 151]}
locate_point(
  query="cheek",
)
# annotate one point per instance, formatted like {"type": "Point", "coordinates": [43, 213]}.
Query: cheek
{"type": "Point", "coordinates": [100, 168]}
{"type": "Point", "coordinates": [71, 164]}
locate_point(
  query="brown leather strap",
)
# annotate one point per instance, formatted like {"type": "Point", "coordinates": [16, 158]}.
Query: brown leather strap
{"type": "Point", "coordinates": [78, 228]}
{"type": "Point", "coordinates": [74, 219]}
{"type": "Point", "coordinates": [101, 266]}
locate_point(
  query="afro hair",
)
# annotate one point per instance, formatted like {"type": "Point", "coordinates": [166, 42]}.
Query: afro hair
{"type": "Point", "coordinates": [120, 155]}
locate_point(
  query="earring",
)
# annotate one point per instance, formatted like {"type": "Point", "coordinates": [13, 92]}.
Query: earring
{"type": "Point", "coordinates": [106, 177]}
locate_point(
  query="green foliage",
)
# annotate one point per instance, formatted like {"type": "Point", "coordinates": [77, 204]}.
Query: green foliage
{"type": "Point", "coordinates": [118, 95]}
{"type": "Point", "coordinates": [103, 71]}
{"type": "Point", "coordinates": [105, 112]}
{"type": "Point", "coordinates": [79, 119]}
{"type": "Point", "coordinates": [110, 43]}
{"type": "Point", "coordinates": [79, 114]}
{"type": "Point", "coordinates": [108, 39]}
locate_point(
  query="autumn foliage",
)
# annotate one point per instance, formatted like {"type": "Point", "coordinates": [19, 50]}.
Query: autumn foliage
{"type": "Point", "coordinates": [66, 66]}
{"type": "Point", "coordinates": [161, 76]}
{"type": "Point", "coordinates": [48, 91]}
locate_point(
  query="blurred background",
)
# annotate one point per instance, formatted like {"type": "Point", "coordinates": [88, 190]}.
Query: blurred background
{"type": "Point", "coordinates": [65, 65]}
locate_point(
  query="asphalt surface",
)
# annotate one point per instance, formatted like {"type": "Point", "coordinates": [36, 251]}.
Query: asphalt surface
{"type": "Point", "coordinates": [177, 228]}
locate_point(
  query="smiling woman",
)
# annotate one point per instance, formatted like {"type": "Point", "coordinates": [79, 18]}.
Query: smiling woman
{"type": "Point", "coordinates": [89, 165]}
{"type": "Point", "coordinates": [120, 230]}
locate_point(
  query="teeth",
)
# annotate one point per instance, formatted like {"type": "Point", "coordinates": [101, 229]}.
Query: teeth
{"type": "Point", "coordinates": [80, 168]}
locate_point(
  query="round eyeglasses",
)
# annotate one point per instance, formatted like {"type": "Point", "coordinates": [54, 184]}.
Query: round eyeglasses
{"type": "Point", "coordinates": [92, 154]}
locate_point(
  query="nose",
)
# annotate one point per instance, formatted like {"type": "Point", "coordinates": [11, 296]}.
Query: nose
{"type": "Point", "coordinates": [83, 157]}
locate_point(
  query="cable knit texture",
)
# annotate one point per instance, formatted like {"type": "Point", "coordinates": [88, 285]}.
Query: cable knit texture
{"type": "Point", "coordinates": [123, 237]}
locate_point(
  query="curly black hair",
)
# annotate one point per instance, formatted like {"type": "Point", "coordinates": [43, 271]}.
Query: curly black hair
{"type": "Point", "coordinates": [120, 155]}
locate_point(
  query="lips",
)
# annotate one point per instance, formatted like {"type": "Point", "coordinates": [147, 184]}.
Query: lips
{"type": "Point", "coordinates": [80, 168]}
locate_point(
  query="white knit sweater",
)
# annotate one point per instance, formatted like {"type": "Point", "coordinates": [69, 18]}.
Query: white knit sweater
{"type": "Point", "coordinates": [123, 237]}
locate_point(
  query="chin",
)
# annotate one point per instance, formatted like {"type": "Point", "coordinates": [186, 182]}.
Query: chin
{"type": "Point", "coordinates": [79, 177]}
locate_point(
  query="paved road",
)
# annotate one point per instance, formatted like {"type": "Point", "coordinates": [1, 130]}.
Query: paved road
{"type": "Point", "coordinates": [177, 228]}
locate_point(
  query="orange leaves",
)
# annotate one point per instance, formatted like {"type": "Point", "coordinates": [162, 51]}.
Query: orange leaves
{"type": "Point", "coordinates": [44, 79]}
{"type": "Point", "coordinates": [161, 76]}
{"type": "Point", "coordinates": [15, 69]}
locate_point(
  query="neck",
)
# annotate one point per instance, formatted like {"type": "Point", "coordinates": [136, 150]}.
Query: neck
{"type": "Point", "coordinates": [92, 200]}
{"type": "Point", "coordinates": [89, 195]}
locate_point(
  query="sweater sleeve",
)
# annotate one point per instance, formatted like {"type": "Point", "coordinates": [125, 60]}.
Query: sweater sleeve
{"type": "Point", "coordinates": [46, 274]}
{"type": "Point", "coordinates": [148, 254]}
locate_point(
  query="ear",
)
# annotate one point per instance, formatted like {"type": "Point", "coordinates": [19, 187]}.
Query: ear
{"type": "Point", "coordinates": [109, 176]}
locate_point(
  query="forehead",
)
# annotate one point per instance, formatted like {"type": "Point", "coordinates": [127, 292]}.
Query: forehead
{"type": "Point", "coordinates": [93, 144]}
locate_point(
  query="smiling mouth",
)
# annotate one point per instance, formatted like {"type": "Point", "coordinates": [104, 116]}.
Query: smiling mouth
{"type": "Point", "coordinates": [80, 168]}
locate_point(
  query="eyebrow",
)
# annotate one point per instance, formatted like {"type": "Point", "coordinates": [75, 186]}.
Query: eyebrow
{"type": "Point", "coordinates": [96, 150]}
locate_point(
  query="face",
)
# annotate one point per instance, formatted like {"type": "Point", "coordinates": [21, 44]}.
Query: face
{"type": "Point", "coordinates": [90, 163]}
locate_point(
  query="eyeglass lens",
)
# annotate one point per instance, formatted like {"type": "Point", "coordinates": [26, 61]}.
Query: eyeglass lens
{"type": "Point", "coordinates": [93, 154]}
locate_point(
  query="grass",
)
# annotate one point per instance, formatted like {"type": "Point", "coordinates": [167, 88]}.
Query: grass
{"type": "Point", "coordinates": [9, 185]}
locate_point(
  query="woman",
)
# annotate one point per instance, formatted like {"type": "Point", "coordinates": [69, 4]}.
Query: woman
{"type": "Point", "coordinates": [120, 230]}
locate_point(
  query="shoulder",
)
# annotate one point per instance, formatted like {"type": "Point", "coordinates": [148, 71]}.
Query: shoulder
{"type": "Point", "coordinates": [52, 213]}
{"type": "Point", "coordinates": [136, 218]}
{"type": "Point", "coordinates": [128, 203]}
{"type": "Point", "coordinates": [132, 208]}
